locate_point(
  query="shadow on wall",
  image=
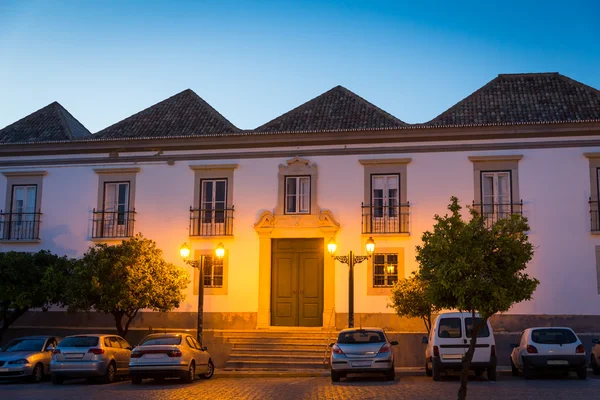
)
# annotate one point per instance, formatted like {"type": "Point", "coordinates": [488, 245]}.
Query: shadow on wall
{"type": "Point", "coordinates": [59, 248]}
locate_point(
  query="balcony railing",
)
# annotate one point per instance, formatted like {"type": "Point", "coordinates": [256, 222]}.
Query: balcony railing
{"type": "Point", "coordinates": [20, 226]}
{"type": "Point", "coordinates": [211, 222]}
{"type": "Point", "coordinates": [385, 219]}
{"type": "Point", "coordinates": [496, 211]}
{"type": "Point", "coordinates": [112, 224]}
{"type": "Point", "coordinates": [594, 216]}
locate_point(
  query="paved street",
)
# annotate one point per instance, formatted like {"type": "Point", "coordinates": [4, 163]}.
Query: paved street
{"type": "Point", "coordinates": [406, 387]}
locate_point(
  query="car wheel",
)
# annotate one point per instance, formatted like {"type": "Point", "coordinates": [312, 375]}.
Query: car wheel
{"type": "Point", "coordinates": [513, 368]}
{"type": "Point", "coordinates": [595, 366]}
{"type": "Point", "coordinates": [136, 380]}
{"type": "Point", "coordinates": [435, 371]}
{"type": "Point", "coordinates": [57, 379]}
{"type": "Point", "coordinates": [491, 373]}
{"type": "Point", "coordinates": [335, 376]}
{"type": "Point", "coordinates": [390, 375]}
{"type": "Point", "coordinates": [527, 370]}
{"type": "Point", "coordinates": [111, 373]}
{"type": "Point", "coordinates": [37, 374]}
{"type": "Point", "coordinates": [190, 374]}
{"type": "Point", "coordinates": [210, 371]}
{"type": "Point", "coordinates": [427, 370]}
{"type": "Point", "coordinates": [582, 372]}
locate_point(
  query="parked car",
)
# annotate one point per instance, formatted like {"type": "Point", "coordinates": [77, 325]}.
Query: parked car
{"type": "Point", "coordinates": [595, 359]}
{"type": "Point", "coordinates": [27, 357]}
{"type": "Point", "coordinates": [546, 348]}
{"type": "Point", "coordinates": [167, 355]}
{"type": "Point", "coordinates": [90, 356]}
{"type": "Point", "coordinates": [359, 350]}
{"type": "Point", "coordinates": [449, 340]}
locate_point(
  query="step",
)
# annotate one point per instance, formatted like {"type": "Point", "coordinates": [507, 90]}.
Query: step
{"type": "Point", "coordinates": [264, 347]}
{"type": "Point", "coordinates": [274, 365]}
{"type": "Point", "coordinates": [298, 340]}
{"type": "Point", "coordinates": [276, 334]}
{"type": "Point", "coordinates": [291, 351]}
{"type": "Point", "coordinates": [277, 357]}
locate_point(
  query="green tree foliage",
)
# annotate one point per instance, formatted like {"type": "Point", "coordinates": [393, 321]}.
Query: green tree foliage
{"type": "Point", "coordinates": [125, 278]}
{"type": "Point", "coordinates": [27, 281]}
{"type": "Point", "coordinates": [472, 266]}
{"type": "Point", "coordinates": [409, 298]}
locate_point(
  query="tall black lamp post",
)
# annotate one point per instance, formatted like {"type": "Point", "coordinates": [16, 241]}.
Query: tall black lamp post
{"type": "Point", "coordinates": [351, 260]}
{"type": "Point", "coordinates": [184, 252]}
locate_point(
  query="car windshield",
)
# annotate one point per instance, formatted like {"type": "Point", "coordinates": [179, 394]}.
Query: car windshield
{"type": "Point", "coordinates": [25, 345]}
{"type": "Point", "coordinates": [361, 336]}
{"type": "Point", "coordinates": [553, 336]}
{"type": "Point", "coordinates": [79, 341]}
{"type": "Point", "coordinates": [483, 331]}
{"type": "Point", "coordinates": [161, 340]}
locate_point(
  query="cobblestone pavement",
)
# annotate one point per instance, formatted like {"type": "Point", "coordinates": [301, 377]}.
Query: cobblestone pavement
{"type": "Point", "coordinates": [406, 387]}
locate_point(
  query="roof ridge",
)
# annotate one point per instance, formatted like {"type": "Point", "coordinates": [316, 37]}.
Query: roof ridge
{"type": "Point", "coordinates": [211, 109]}
{"type": "Point", "coordinates": [371, 105]}
{"type": "Point", "coordinates": [519, 74]}
{"type": "Point", "coordinates": [63, 120]}
{"type": "Point", "coordinates": [575, 81]}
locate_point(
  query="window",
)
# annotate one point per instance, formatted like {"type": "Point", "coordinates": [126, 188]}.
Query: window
{"type": "Point", "coordinates": [115, 215]}
{"type": "Point", "coordinates": [361, 336]}
{"type": "Point", "coordinates": [214, 201]}
{"type": "Point", "coordinates": [450, 328]}
{"type": "Point", "coordinates": [124, 344]}
{"type": "Point", "coordinates": [385, 196]}
{"type": "Point", "coordinates": [190, 342]}
{"type": "Point", "coordinates": [483, 331]}
{"type": "Point", "coordinates": [213, 272]}
{"type": "Point", "coordinates": [385, 269]}
{"type": "Point", "coordinates": [297, 194]}
{"type": "Point", "coordinates": [23, 216]}
{"type": "Point", "coordinates": [553, 336]}
{"type": "Point", "coordinates": [496, 193]}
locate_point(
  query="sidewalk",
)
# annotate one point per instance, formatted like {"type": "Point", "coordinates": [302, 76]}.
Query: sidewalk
{"type": "Point", "coordinates": [304, 373]}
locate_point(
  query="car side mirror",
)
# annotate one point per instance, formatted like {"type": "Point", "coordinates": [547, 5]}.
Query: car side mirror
{"type": "Point", "coordinates": [513, 345]}
{"type": "Point", "coordinates": [424, 340]}
{"type": "Point", "coordinates": [204, 348]}
{"type": "Point", "coordinates": [331, 344]}
{"type": "Point", "coordinates": [595, 341]}
{"type": "Point", "coordinates": [394, 343]}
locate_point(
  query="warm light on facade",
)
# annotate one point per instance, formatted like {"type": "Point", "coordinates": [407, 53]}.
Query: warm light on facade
{"type": "Point", "coordinates": [370, 246]}
{"type": "Point", "coordinates": [184, 251]}
{"type": "Point", "coordinates": [220, 251]}
{"type": "Point", "coordinates": [331, 247]}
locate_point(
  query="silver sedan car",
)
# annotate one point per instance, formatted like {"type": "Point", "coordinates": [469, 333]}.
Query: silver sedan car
{"type": "Point", "coordinates": [90, 356]}
{"type": "Point", "coordinates": [27, 357]}
{"type": "Point", "coordinates": [362, 350]}
{"type": "Point", "coordinates": [165, 355]}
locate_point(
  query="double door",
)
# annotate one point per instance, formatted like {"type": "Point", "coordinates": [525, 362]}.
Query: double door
{"type": "Point", "coordinates": [297, 282]}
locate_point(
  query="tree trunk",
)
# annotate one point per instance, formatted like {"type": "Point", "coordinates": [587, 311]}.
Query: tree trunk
{"type": "Point", "coordinates": [9, 317]}
{"type": "Point", "coordinates": [427, 323]}
{"type": "Point", "coordinates": [468, 357]}
{"type": "Point", "coordinates": [118, 314]}
{"type": "Point", "coordinates": [130, 317]}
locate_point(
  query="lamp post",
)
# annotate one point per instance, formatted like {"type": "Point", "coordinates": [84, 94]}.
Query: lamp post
{"type": "Point", "coordinates": [351, 260]}
{"type": "Point", "coordinates": [184, 252]}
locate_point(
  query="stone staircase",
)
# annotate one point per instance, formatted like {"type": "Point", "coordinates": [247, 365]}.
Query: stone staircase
{"type": "Point", "coordinates": [278, 349]}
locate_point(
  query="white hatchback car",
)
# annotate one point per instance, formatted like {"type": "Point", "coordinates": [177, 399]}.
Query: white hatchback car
{"type": "Point", "coordinates": [545, 348]}
{"type": "Point", "coordinates": [449, 340]}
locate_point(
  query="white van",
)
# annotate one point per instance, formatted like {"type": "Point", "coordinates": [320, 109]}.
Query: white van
{"type": "Point", "coordinates": [449, 340]}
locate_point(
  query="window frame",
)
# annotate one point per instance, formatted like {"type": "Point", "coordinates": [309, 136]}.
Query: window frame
{"type": "Point", "coordinates": [195, 273]}
{"type": "Point", "coordinates": [127, 205]}
{"type": "Point", "coordinates": [297, 195]}
{"type": "Point", "coordinates": [398, 176]}
{"type": "Point", "coordinates": [386, 276]}
{"type": "Point", "coordinates": [23, 178]}
{"type": "Point", "coordinates": [400, 271]}
{"type": "Point", "coordinates": [495, 173]}
{"type": "Point", "coordinates": [212, 268]}
{"type": "Point", "coordinates": [213, 203]}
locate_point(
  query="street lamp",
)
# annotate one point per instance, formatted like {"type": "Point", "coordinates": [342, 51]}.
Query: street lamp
{"type": "Point", "coordinates": [184, 252]}
{"type": "Point", "coordinates": [351, 260]}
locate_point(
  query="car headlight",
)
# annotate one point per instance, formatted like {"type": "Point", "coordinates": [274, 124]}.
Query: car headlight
{"type": "Point", "coordinates": [19, 361]}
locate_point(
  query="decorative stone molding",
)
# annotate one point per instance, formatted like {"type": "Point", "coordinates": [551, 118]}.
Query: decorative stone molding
{"type": "Point", "coordinates": [133, 170]}
{"type": "Point", "coordinates": [11, 174]}
{"type": "Point", "coordinates": [297, 166]}
{"type": "Point", "coordinates": [324, 221]}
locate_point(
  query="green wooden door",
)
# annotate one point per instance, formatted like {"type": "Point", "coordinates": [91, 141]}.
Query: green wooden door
{"type": "Point", "coordinates": [297, 282]}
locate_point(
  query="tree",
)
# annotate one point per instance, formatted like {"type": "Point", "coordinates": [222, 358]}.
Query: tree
{"type": "Point", "coordinates": [26, 282]}
{"type": "Point", "coordinates": [121, 280]}
{"type": "Point", "coordinates": [472, 266]}
{"type": "Point", "coordinates": [409, 299]}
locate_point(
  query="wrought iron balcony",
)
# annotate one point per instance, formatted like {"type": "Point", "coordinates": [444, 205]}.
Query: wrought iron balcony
{"type": "Point", "coordinates": [20, 226]}
{"type": "Point", "coordinates": [112, 224]}
{"type": "Point", "coordinates": [495, 211]}
{"type": "Point", "coordinates": [594, 216]}
{"type": "Point", "coordinates": [211, 221]}
{"type": "Point", "coordinates": [385, 219]}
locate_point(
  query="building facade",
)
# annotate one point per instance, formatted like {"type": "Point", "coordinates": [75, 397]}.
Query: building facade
{"type": "Point", "coordinates": [336, 167]}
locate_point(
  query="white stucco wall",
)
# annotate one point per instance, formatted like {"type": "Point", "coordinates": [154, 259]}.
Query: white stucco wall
{"type": "Point", "coordinates": [554, 185]}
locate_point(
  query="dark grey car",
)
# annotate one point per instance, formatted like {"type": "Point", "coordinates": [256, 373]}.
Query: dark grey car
{"type": "Point", "coordinates": [27, 357]}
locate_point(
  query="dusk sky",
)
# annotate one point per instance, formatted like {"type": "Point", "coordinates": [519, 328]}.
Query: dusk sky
{"type": "Point", "coordinates": [253, 61]}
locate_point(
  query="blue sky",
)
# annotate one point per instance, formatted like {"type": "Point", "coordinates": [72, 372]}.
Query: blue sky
{"type": "Point", "coordinates": [253, 61]}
